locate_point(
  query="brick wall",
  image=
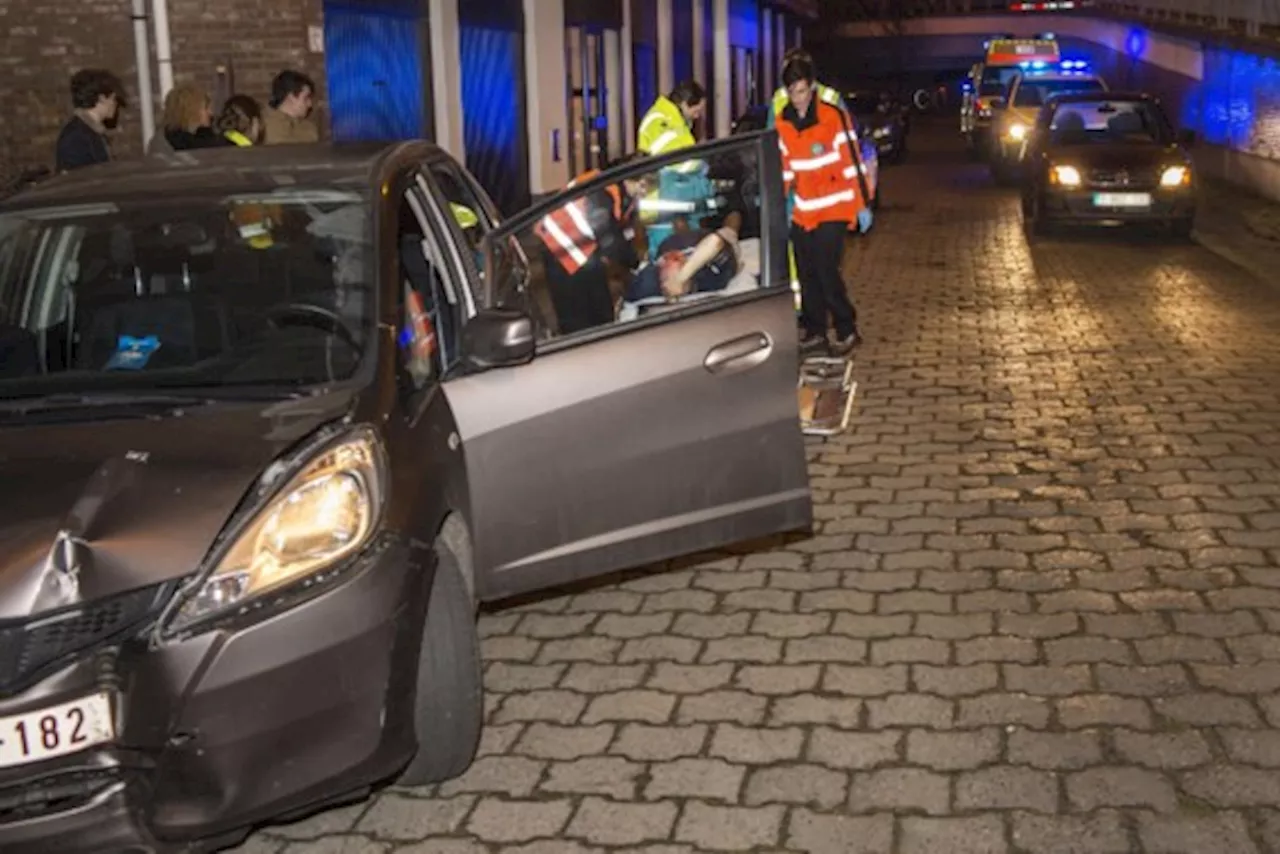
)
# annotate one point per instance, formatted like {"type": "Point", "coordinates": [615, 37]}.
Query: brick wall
{"type": "Point", "coordinates": [42, 42]}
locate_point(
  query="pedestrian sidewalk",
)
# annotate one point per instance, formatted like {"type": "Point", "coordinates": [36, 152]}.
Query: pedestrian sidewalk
{"type": "Point", "coordinates": [1242, 227]}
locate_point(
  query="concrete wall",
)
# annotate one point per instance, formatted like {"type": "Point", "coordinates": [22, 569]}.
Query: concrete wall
{"type": "Point", "coordinates": [1229, 96]}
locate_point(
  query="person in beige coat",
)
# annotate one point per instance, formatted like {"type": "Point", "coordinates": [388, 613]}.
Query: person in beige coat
{"type": "Point", "coordinates": [288, 117]}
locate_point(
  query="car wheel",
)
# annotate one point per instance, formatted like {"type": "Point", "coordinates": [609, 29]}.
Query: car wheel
{"type": "Point", "coordinates": [449, 713]}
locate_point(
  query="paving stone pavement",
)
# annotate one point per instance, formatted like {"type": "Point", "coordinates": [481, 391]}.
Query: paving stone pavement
{"type": "Point", "coordinates": [1040, 612]}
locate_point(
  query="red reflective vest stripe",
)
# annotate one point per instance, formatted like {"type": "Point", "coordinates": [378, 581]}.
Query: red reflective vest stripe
{"type": "Point", "coordinates": [567, 231]}
{"type": "Point", "coordinates": [820, 162]}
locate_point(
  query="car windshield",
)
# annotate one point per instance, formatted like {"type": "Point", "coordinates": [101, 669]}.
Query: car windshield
{"type": "Point", "coordinates": [995, 80]}
{"type": "Point", "coordinates": [1136, 122]}
{"type": "Point", "coordinates": [1033, 93]}
{"type": "Point", "coordinates": [269, 289]}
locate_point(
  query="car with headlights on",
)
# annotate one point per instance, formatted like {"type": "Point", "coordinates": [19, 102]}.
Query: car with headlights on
{"type": "Point", "coordinates": [1015, 113]}
{"type": "Point", "coordinates": [274, 421]}
{"type": "Point", "coordinates": [1108, 158]}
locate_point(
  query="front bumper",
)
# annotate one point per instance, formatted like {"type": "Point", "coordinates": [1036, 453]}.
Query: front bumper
{"type": "Point", "coordinates": [278, 713]}
{"type": "Point", "coordinates": [1077, 205]}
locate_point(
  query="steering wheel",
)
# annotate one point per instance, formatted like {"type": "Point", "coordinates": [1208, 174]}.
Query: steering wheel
{"type": "Point", "coordinates": [310, 314]}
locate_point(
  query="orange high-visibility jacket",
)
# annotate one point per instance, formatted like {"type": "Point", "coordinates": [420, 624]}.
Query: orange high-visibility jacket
{"type": "Point", "coordinates": [820, 163]}
{"type": "Point", "coordinates": [568, 232]}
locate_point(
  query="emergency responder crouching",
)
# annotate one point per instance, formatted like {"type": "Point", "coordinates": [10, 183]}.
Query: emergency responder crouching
{"type": "Point", "coordinates": [684, 186]}
{"type": "Point", "coordinates": [577, 241]}
{"type": "Point", "coordinates": [818, 164]}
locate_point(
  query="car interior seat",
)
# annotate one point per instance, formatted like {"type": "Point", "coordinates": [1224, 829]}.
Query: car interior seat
{"type": "Point", "coordinates": [162, 300]}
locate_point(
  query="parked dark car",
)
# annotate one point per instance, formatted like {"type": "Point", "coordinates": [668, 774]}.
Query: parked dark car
{"type": "Point", "coordinates": [273, 422]}
{"type": "Point", "coordinates": [882, 118]}
{"type": "Point", "coordinates": [1108, 158]}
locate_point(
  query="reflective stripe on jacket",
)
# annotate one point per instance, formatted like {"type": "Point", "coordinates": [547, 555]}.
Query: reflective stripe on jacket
{"type": "Point", "coordinates": [820, 165]}
{"type": "Point", "coordinates": [664, 130]}
{"type": "Point", "coordinates": [567, 231]}
{"type": "Point", "coordinates": [833, 97]}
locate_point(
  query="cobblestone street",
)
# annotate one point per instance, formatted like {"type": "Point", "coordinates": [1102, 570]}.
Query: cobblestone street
{"type": "Point", "coordinates": [1040, 612]}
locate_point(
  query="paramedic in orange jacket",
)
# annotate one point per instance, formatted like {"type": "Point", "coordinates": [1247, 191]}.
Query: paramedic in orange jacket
{"type": "Point", "coordinates": [577, 239]}
{"type": "Point", "coordinates": [818, 165]}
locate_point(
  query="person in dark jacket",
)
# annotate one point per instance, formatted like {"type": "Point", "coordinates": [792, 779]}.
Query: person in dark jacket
{"type": "Point", "coordinates": [188, 121]}
{"type": "Point", "coordinates": [97, 96]}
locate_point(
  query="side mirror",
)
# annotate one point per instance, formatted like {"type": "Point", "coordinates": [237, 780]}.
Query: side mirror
{"type": "Point", "coordinates": [497, 338]}
{"type": "Point", "coordinates": [1187, 138]}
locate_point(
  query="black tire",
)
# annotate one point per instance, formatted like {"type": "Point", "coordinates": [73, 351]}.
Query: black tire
{"type": "Point", "coordinates": [449, 713]}
{"type": "Point", "coordinates": [1181, 229]}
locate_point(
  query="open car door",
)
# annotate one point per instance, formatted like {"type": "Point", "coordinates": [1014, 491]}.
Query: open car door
{"type": "Point", "coordinates": [669, 427]}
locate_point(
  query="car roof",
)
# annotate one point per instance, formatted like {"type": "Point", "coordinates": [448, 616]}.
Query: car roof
{"type": "Point", "coordinates": [222, 170]}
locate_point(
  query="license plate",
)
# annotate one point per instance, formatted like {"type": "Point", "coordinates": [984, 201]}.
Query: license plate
{"type": "Point", "coordinates": [1122, 200]}
{"type": "Point", "coordinates": [56, 730]}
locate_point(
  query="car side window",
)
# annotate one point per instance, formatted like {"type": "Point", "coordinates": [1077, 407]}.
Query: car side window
{"type": "Point", "coordinates": [649, 242]}
{"type": "Point", "coordinates": [430, 310]}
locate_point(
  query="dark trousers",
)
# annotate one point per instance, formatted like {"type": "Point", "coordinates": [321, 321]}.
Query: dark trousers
{"type": "Point", "coordinates": [582, 300]}
{"type": "Point", "coordinates": [819, 257]}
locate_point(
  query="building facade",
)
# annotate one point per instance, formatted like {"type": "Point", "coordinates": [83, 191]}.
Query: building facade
{"type": "Point", "coordinates": [526, 92]}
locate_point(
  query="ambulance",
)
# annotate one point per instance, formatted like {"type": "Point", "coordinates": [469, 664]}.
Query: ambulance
{"type": "Point", "coordinates": [989, 80]}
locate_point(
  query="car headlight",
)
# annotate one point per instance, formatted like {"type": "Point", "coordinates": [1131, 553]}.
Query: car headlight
{"type": "Point", "coordinates": [1175, 176]}
{"type": "Point", "coordinates": [323, 515]}
{"type": "Point", "coordinates": [1067, 176]}
{"type": "Point", "coordinates": [1017, 132]}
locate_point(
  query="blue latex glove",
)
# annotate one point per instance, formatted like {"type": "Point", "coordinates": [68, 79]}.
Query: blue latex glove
{"type": "Point", "coordinates": [865, 220]}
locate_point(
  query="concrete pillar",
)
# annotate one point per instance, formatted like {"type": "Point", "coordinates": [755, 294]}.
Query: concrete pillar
{"type": "Point", "coordinates": [700, 55]}
{"type": "Point", "coordinates": [666, 49]}
{"type": "Point", "coordinates": [722, 58]}
{"type": "Point", "coordinates": [617, 136]}
{"type": "Point", "coordinates": [548, 114]}
{"type": "Point", "coordinates": [768, 58]}
{"type": "Point", "coordinates": [627, 101]}
{"type": "Point", "coordinates": [446, 81]}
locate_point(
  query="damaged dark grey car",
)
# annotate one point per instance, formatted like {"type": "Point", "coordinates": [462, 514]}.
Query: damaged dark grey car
{"type": "Point", "coordinates": [274, 421]}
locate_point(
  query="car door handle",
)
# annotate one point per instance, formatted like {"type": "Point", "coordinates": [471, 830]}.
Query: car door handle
{"type": "Point", "coordinates": [739, 354]}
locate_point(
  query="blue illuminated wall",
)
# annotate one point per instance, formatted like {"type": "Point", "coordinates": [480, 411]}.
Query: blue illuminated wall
{"type": "Point", "coordinates": [1238, 102]}
{"type": "Point", "coordinates": [682, 39]}
{"type": "Point", "coordinates": [375, 64]}
{"type": "Point", "coordinates": [493, 115]}
{"type": "Point", "coordinates": [645, 72]}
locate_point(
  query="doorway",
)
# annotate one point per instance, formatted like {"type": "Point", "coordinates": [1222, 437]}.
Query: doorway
{"type": "Point", "coordinates": [593, 60]}
{"type": "Point", "coordinates": [378, 69]}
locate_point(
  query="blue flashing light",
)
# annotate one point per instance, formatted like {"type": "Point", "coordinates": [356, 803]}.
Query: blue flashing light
{"type": "Point", "coordinates": [1024, 65]}
{"type": "Point", "coordinates": [1039, 63]}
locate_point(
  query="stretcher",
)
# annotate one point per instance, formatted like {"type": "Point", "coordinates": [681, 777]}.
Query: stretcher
{"type": "Point", "coordinates": [825, 392]}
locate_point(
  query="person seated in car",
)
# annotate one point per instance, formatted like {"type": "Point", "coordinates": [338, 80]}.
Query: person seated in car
{"type": "Point", "coordinates": [691, 261]}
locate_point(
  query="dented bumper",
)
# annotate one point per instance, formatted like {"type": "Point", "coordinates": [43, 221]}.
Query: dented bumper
{"type": "Point", "coordinates": [286, 710]}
